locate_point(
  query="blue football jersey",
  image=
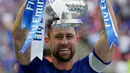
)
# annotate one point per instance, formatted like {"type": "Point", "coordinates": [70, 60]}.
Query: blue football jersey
{"type": "Point", "coordinates": [80, 66]}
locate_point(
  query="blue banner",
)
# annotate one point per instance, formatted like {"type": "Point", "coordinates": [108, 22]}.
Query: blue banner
{"type": "Point", "coordinates": [32, 18]}
{"type": "Point", "coordinates": [27, 15]}
{"type": "Point", "coordinates": [109, 25]}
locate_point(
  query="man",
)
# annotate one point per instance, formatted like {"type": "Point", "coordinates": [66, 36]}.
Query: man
{"type": "Point", "coordinates": [62, 43]}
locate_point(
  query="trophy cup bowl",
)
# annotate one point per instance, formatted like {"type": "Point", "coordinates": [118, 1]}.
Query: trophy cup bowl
{"type": "Point", "coordinates": [68, 18]}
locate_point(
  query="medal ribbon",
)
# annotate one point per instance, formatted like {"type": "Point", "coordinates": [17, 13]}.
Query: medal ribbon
{"type": "Point", "coordinates": [32, 18]}
{"type": "Point", "coordinates": [108, 22]}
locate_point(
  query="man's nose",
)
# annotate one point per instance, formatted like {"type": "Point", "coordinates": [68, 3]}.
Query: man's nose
{"type": "Point", "coordinates": [64, 41]}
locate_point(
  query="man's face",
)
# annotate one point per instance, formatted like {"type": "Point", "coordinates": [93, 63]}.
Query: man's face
{"type": "Point", "coordinates": [62, 42]}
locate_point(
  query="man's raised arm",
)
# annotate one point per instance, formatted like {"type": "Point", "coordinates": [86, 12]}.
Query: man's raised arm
{"type": "Point", "coordinates": [19, 38]}
{"type": "Point", "coordinates": [102, 48]}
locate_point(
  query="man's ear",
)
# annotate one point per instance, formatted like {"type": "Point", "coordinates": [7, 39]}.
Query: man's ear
{"type": "Point", "coordinates": [46, 40]}
{"type": "Point", "coordinates": [77, 38]}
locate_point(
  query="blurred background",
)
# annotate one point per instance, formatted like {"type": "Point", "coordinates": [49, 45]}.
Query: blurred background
{"type": "Point", "coordinates": [89, 34]}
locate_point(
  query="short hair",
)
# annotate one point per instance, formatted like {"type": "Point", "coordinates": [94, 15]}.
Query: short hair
{"type": "Point", "coordinates": [49, 23]}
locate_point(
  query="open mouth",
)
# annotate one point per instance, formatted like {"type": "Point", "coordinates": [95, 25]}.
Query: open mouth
{"type": "Point", "coordinates": [64, 49]}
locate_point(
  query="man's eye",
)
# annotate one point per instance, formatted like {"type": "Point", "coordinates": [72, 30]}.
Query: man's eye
{"type": "Point", "coordinates": [58, 37]}
{"type": "Point", "coordinates": [69, 37]}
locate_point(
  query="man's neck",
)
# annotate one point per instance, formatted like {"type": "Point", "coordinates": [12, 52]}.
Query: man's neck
{"type": "Point", "coordinates": [63, 65]}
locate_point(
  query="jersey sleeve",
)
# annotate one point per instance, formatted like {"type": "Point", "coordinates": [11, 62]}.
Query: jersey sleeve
{"type": "Point", "coordinates": [32, 67]}
{"type": "Point", "coordinates": [92, 64]}
{"type": "Point", "coordinates": [96, 63]}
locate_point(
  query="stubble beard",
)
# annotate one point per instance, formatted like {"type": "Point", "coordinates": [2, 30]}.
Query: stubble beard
{"type": "Point", "coordinates": [56, 54]}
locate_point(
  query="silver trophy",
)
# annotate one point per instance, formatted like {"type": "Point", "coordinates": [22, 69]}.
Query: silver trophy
{"type": "Point", "coordinates": [68, 11]}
